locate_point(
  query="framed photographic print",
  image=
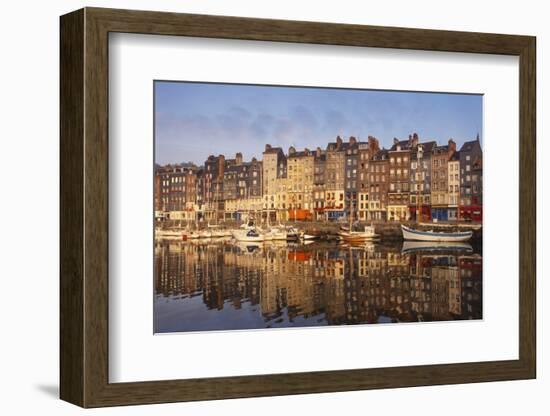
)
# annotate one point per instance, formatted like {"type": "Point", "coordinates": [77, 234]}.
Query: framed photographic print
{"type": "Point", "coordinates": [255, 207]}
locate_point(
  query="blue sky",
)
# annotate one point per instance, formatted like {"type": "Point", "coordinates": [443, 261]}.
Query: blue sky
{"type": "Point", "coordinates": [194, 120]}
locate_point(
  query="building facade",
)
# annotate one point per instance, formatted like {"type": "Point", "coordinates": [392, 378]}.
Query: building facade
{"type": "Point", "coordinates": [399, 189]}
{"type": "Point", "coordinates": [356, 180]}
{"type": "Point", "coordinates": [420, 182]}
{"type": "Point", "coordinates": [335, 185]}
{"type": "Point", "coordinates": [379, 172]}
{"type": "Point", "coordinates": [471, 181]}
{"type": "Point", "coordinates": [440, 177]}
{"type": "Point", "coordinates": [454, 186]}
{"type": "Point", "coordinates": [300, 173]}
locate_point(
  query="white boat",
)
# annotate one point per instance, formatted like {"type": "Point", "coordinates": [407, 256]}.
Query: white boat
{"type": "Point", "coordinates": [305, 236]}
{"type": "Point", "coordinates": [357, 236]}
{"type": "Point", "coordinates": [435, 246]}
{"type": "Point", "coordinates": [276, 233]}
{"type": "Point", "coordinates": [191, 235]}
{"type": "Point", "coordinates": [217, 232]}
{"type": "Point", "coordinates": [169, 233]}
{"type": "Point", "coordinates": [292, 233]}
{"type": "Point", "coordinates": [248, 234]}
{"type": "Point", "coordinates": [205, 234]}
{"type": "Point", "coordinates": [418, 235]}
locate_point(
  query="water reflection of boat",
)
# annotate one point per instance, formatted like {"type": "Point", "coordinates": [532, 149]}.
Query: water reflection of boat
{"type": "Point", "coordinates": [248, 247]}
{"type": "Point", "coordinates": [422, 246]}
{"type": "Point", "coordinates": [418, 235]}
{"type": "Point", "coordinates": [367, 245]}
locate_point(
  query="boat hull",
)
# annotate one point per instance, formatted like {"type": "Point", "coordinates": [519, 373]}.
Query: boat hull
{"type": "Point", "coordinates": [356, 237]}
{"type": "Point", "coordinates": [416, 235]}
{"type": "Point", "coordinates": [247, 236]}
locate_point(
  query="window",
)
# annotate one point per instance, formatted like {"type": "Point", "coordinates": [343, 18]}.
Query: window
{"type": "Point", "coordinates": [467, 168]}
{"type": "Point", "coordinates": [468, 157]}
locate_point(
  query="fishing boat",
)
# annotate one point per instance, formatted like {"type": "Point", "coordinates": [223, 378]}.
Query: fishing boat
{"type": "Point", "coordinates": [349, 235]}
{"type": "Point", "coordinates": [435, 246]}
{"type": "Point", "coordinates": [430, 235]}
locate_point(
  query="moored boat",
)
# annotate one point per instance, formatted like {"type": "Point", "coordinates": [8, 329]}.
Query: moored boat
{"type": "Point", "coordinates": [419, 235]}
{"type": "Point", "coordinates": [356, 236]}
{"type": "Point", "coordinates": [179, 234]}
{"type": "Point", "coordinates": [276, 233]}
{"type": "Point", "coordinates": [249, 235]}
{"type": "Point", "coordinates": [305, 236]}
{"type": "Point", "coordinates": [248, 232]}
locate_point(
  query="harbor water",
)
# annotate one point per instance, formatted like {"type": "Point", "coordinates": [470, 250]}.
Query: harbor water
{"type": "Point", "coordinates": [205, 285]}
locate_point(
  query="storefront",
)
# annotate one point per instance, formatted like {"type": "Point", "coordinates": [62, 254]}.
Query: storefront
{"type": "Point", "coordinates": [425, 213]}
{"type": "Point", "coordinates": [452, 213]}
{"type": "Point", "coordinates": [398, 213]}
{"type": "Point", "coordinates": [440, 214]}
{"type": "Point", "coordinates": [319, 214]}
{"type": "Point", "coordinates": [470, 213]}
{"type": "Point", "coordinates": [334, 215]}
{"type": "Point", "coordinates": [299, 215]}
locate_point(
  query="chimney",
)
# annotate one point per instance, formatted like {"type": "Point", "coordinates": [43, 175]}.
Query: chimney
{"type": "Point", "coordinates": [338, 143]}
{"type": "Point", "coordinates": [318, 152]}
{"type": "Point", "coordinates": [239, 158]}
{"type": "Point", "coordinates": [352, 140]}
{"type": "Point", "coordinates": [395, 140]}
{"type": "Point", "coordinates": [306, 151]}
{"type": "Point", "coordinates": [414, 140]}
{"type": "Point", "coordinates": [452, 146]}
{"type": "Point", "coordinates": [291, 150]}
{"type": "Point", "coordinates": [374, 145]}
{"type": "Point", "coordinates": [267, 147]}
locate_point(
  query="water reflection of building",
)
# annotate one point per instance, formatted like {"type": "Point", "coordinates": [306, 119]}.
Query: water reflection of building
{"type": "Point", "coordinates": [323, 284]}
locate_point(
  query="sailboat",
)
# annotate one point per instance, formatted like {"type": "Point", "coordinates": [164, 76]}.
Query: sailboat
{"type": "Point", "coordinates": [351, 236]}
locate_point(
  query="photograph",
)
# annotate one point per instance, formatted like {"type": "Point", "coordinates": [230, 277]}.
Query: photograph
{"type": "Point", "coordinates": [293, 206]}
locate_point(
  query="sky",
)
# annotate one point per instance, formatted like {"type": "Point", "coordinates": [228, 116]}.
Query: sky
{"type": "Point", "coordinates": [195, 120]}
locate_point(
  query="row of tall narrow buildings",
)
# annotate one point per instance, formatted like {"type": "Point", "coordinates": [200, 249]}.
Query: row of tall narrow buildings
{"type": "Point", "coordinates": [411, 180]}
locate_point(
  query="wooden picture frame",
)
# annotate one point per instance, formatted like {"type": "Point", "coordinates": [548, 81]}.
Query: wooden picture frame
{"type": "Point", "coordinates": [84, 207]}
